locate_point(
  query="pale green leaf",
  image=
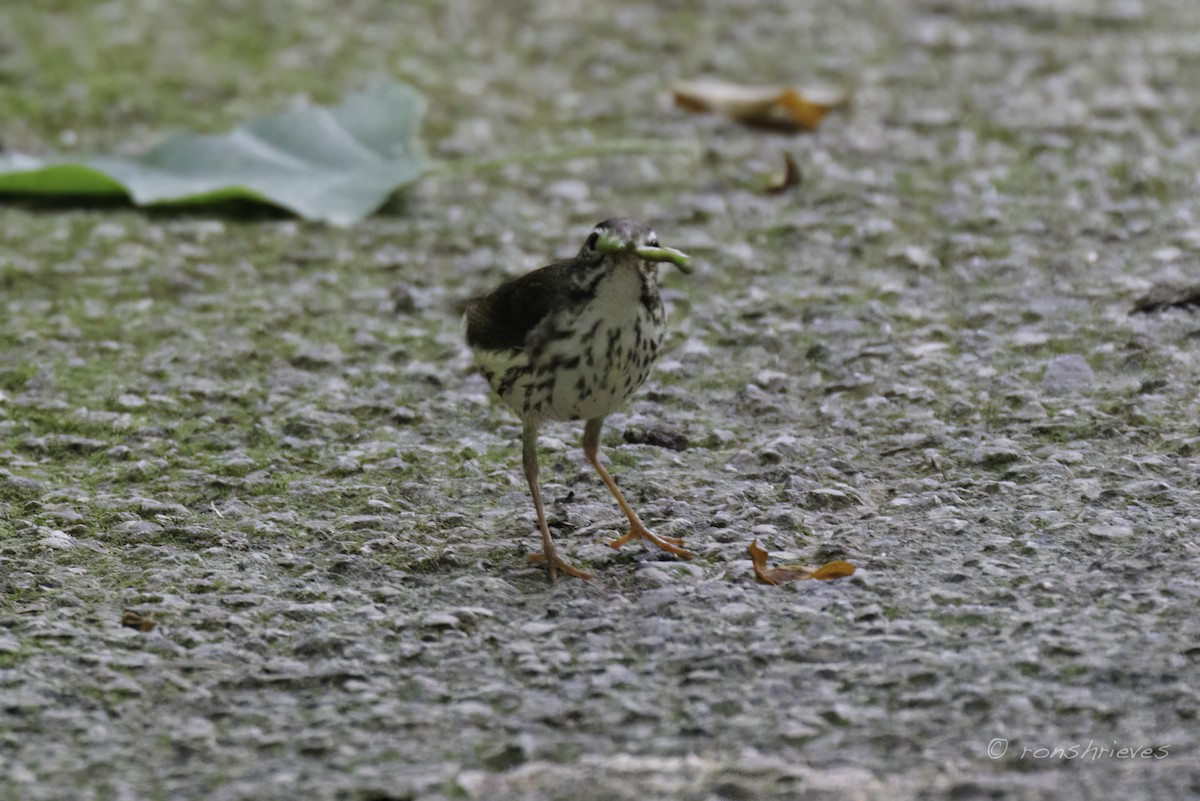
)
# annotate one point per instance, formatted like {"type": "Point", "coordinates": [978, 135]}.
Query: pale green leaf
{"type": "Point", "coordinates": [337, 165]}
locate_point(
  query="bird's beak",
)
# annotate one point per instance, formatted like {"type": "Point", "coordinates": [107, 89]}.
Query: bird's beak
{"type": "Point", "coordinates": [676, 257]}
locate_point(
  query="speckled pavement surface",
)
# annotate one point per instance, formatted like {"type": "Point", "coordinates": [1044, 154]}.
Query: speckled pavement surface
{"type": "Point", "coordinates": [267, 434]}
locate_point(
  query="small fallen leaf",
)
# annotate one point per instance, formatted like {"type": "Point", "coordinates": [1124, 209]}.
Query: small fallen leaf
{"type": "Point", "coordinates": [135, 620]}
{"type": "Point", "coordinates": [791, 177]}
{"type": "Point", "coordinates": [778, 575]}
{"type": "Point", "coordinates": [770, 106]}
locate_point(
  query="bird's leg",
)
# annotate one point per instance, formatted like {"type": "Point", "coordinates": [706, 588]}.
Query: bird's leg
{"type": "Point", "coordinates": [637, 530]}
{"type": "Point", "coordinates": [549, 553]}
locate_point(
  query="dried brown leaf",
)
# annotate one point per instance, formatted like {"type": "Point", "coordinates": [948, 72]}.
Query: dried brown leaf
{"type": "Point", "coordinates": [833, 570]}
{"type": "Point", "coordinates": [805, 112]}
{"type": "Point", "coordinates": [779, 575]}
{"type": "Point", "coordinates": [135, 620]}
{"type": "Point", "coordinates": [791, 177]}
{"type": "Point", "coordinates": [770, 106]}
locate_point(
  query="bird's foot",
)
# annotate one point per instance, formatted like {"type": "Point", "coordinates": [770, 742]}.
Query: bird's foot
{"type": "Point", "coordinates": [555, 563]}
{"type": "Point", "coordinates": [669, 544]}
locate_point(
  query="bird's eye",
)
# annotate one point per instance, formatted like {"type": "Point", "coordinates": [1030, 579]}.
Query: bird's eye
{"type": "Point", "coordinates": [592, 240]}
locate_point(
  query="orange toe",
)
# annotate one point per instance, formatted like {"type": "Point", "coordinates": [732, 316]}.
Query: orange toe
{"type": "Point", "coordinates": [669, 544]}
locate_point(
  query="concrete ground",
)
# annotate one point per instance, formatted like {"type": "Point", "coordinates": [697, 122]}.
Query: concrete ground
{"type": "Point", "coordinates": [266, 434]}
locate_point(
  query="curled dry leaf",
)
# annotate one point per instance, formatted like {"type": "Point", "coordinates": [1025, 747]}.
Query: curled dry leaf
{"type": "Point", "coordinates": [779, 575]}
{"type": "Point", "coordinates": [791, 177]}
{"type": "Point", "coordinates": [135, 620]}
{"type": "Point", "coordinates": [833, 570]}
{"type": "Point", "coordinates": [770, 106]}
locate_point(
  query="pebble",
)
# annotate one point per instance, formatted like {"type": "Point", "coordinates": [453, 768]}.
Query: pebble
{"type": "Point", "coordinates": [137, 528]}
{"type": "Point", "coordinates": [1067, 373]}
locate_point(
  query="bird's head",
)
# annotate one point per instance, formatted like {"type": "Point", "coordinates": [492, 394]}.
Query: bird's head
{"type": "Point", "coordinates": [636, 238]}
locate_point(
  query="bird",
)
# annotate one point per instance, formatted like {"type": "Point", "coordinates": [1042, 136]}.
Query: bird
{"type": "Point", "coordinates": [572, 341]}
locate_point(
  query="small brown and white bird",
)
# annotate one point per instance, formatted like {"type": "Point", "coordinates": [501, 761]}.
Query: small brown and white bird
{"type": "Point", "coordinates": [572, 341]}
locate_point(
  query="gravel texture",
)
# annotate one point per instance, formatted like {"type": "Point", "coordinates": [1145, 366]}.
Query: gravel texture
{"type": "Point", "coordinates": [266, 435]}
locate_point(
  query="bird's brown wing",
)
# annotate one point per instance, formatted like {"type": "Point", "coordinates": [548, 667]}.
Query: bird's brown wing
{"type": "Point", "coordinates": [503, 319]}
